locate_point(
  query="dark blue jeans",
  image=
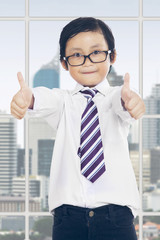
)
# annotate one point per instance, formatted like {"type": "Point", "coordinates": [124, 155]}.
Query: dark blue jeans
{"type": "Point", "coordinates": [110, 222]}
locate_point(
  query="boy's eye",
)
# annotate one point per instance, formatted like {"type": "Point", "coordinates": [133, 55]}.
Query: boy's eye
{"type": "Point", "coordinates": [96, 52]}
{"type": "Point", "coordinates": [77, 55]}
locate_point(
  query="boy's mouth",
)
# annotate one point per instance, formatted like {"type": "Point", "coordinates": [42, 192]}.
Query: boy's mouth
{"type": "Point", "coordinates": [91, 72]}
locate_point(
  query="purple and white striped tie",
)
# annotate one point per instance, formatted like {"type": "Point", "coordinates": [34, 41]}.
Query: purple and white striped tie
{"type": "Point", "coordinates": [91, 149]}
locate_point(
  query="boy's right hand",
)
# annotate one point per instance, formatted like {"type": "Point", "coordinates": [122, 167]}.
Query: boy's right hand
{"type": "Point", "coordinates": [22, 100]}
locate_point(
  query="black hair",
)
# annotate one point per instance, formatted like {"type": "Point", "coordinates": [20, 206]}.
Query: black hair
{"type": "Point", "coordinates": [86, 24]}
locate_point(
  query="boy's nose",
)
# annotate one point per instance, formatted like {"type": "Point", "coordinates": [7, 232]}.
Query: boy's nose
{"type": "Point", "coordinates": [87, 62]}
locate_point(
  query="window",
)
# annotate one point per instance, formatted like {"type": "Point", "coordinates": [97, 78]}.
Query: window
{"type": "Point", "coordinates": [9, 8]}
{"type": "Point", "coordinates": [29, 43]}
{"type": "Point", "coordinates": [103, 8]}
{"type": "Point", "coordinates": [151, 8]}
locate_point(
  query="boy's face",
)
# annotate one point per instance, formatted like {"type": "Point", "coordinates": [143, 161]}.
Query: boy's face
{"type": "Point", "coordinates": [89, 74]}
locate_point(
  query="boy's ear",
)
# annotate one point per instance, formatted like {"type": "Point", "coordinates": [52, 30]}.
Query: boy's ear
{"type": "Point", "coordinates": [64, 64]}
{"type": "Point", "coordinates": [113, 57]}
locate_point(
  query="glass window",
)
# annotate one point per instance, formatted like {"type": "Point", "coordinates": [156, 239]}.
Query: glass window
{"type": "Point", "coordinates": [126, 42]}
{"type": "Point", "coordinates": [151, 8]}
{"type": "Point", "coordinates": [40, 227]}
{"type": "Point", "coordinates": [103, 8]}
{"type": "Point", "coordinates": [12, 227]}
{"type": "Point", "coordinates": [151, 227]}
{"type": "Point", "coordinates": [44, 53]}
{"type": "Point", "coordinates": [133, 143]}
{"type": "Point", "coordinates": [12, 59]}
{"type": "Point", "coordinates": [10, 8]}
{"type": "Point", "coordinates": [45, 70]}
{"type": "Point", "coordinates": [12, 166]}
{"type": "Point", "coordinates": [41, 144]}
{"type": "Point", "coordinates": [151, 63]}
{"type": "Point", "coordinates": [151, 164]}
{"type": "Point", "coordinates": [136, 224]}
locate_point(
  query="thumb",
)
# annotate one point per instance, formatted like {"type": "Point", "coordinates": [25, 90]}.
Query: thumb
{"type": "Point", "coordinates": [21, 80]}
{"type": "Point", "coordinates": [127, 81]}
{"type": "Point", "coordinates": [126, 92]}
{"type": "Point", "coordinates": [25, 91]}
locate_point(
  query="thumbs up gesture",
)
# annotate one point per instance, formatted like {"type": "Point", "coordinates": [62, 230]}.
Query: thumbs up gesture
{"type": "Point", "coordinates": [132, 102]}
{"type": "Point", "coordinates": [22, 100]}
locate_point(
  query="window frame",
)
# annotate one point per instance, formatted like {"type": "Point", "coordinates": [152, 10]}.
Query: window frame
{"type": "Point", "coordinates": [27, 20]}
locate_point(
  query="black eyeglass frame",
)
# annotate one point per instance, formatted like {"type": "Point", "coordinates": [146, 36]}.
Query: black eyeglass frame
{"type": "Point", "coordinates": [87, 56]}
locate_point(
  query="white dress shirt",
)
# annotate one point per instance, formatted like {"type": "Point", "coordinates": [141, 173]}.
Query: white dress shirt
{"type": "Point", "coordinates": [62, 109]}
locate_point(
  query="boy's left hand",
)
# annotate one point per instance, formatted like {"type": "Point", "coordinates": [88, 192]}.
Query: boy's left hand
{"type": "Point", "coordinates": [132, 102]}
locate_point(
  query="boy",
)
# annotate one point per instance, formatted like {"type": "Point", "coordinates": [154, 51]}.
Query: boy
{"type": "Point", "coordinates": [93, 193]}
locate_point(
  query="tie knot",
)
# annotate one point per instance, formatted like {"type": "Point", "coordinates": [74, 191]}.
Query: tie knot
{"type": "Point", "coordinates": [89, 93]}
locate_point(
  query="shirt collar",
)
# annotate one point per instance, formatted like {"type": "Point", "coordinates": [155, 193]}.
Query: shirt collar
{"type": "Point", "coordinates": [103, 87]}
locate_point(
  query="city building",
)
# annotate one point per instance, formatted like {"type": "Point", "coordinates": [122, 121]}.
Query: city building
{"type": "Point", "coordinates": [114, 79]}
{"type": "Point", "coordinates": [18, 187]}
{"type": "Point", "coordinates": [134, 156]}
{"type": "Point", "coordinates": [146, 168]}
{"type": "Point", "coordinates": [38, 189]}
{"type": "Point", "coordinates": [17, 204]}
{"type": "Point", "coordinates": [45, 150]}
{"type": "Point", "coordinates": [12, 223]}
{"type": "Point", "coordinates": [151, 230]}
{"type": "Point", "coordinates": [155, 164]}
{"type": "Point", "coordinates": [21, 162]}
{"type": "Point", "coordinates": [151, 200]}
{"type": "Point", "coordinates": [8, 154]}
{"type": "Point", "coordinates": [151, 126]}
{"type": "Point", "coordinates": [48, 76]}
{"type": "Point", "coordinates": [39, 129]}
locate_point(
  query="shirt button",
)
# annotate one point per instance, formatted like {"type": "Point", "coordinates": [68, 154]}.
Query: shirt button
{"type": "Point", "coordinates": [91, 213]}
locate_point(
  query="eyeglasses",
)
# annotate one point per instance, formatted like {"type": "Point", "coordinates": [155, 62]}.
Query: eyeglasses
{"type": "Point", "coordinates": [78, 59]}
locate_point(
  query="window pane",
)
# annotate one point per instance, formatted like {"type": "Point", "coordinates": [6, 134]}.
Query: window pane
{"type": "Point", "coordinates": [73, 8]}
{"type": "Point", "coordinates": [12, 168]}
{"type": "Point", "coordinates": [40, 228]}
{"type": "Point", "coordinates": [151, 8]}
{"type": "Point", "coordinates": [136, 224]}
{"type": "Point", "coordinates": [151, 227]}
{"type": "Point", "coordinates": [151, 164]}
{"type": "Point", "coordinates": [151, 63]}
{"type": "Point", "coordinates": [133, 141]}
{"type": "Point", "coordinates": [46, 70]}
{"type": "Point", "coordinates": [126, 35]}
{"type": "Point", "coordinates": [44, 53]}
{"type": "Point", "coordinates": [41, 143]}
{"type": "Point", "coordinates": [12, 228]}
{"type": "Point", "coordinates": [10, 8]}
{"type": "Point", "coordinates": [12, 59]}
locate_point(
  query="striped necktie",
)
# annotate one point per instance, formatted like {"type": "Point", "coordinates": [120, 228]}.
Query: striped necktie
{"type": "Point", "coordinates": [91, 149]}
